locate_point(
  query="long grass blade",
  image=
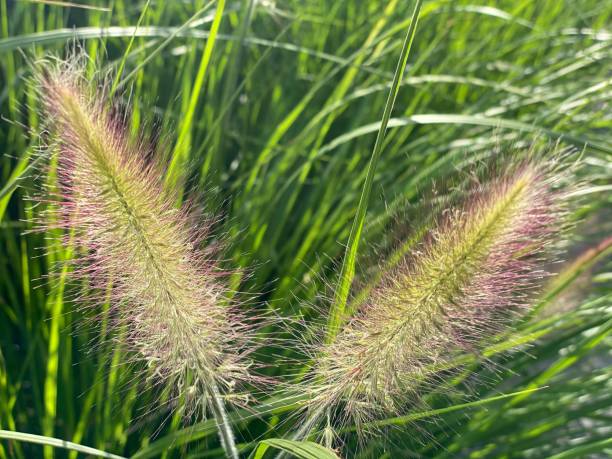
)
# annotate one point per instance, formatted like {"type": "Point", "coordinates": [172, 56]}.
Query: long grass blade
{"type": "Point", "coordinates": [347, 273]}
{"type": "Point", "coordinates": [182, 144]}
{"type": "Point", "coordinates": [402, 420]}
{"type": "Point", "coordinates": [126, 53]}
{"type": "Point", "coordinates": [56, 443]}
{"type": "Point", "coordinates": [299, 449]}
{"type": "Point", "coordinates": [65, 4]}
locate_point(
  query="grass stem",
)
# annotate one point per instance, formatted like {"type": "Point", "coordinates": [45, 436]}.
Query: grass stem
{"type": "Point", "coordinates": [226, 434]}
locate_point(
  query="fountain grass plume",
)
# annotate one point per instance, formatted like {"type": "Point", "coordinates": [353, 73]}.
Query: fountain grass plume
{"type": "Point", "coordinates": [475, 270]}
{"type": "Point", "coordinates": [166, 290]}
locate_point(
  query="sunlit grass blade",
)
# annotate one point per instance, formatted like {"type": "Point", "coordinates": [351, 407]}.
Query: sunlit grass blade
{"type": "Point", "coordinates": [586, 345]}
{"type": "Point", "coordinates": [338, 311]}
{"type": "Point", "coordinates": [298, 449]}
{"type": "Point", "coordinates": [56, 443]}
{"type": "Point", "coordinates": [22, 170]}
{"type": "Point", "coordinates": [68, 4]}
{"type": "Point", "coordinates": [134, 31]}
{"type": "Point", "coordinates": [181, 149]}
{"type": "Point", "coordinates": [126, 53]}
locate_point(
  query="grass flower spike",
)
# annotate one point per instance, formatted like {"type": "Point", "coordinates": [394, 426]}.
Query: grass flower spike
{"type": "Point", "coordinates": [472, 272]}
{"type": "Point", "coordinates": [165, 289]}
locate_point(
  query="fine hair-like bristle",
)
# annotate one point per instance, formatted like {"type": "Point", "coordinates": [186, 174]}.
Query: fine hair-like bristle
{"type": "Point", "coordinates": [166, 290]}
{"type": "Point", "coordinates": [471, 274]}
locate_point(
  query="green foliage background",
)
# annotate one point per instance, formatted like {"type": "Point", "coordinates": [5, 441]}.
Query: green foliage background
{"type": "Point", "coordinates": [273, 120]}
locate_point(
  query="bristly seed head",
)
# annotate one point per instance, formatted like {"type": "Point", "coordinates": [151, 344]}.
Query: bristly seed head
{"type": "Point", "coordinates": [166, 291]}
{"type": "Point", "coordinates": [478, 267]}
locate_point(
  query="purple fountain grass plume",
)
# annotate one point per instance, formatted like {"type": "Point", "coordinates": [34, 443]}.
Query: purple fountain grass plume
{"type": "Point", "coordinates": [166, 290]}
{"type": "Point", "coordinates": [478, 267]}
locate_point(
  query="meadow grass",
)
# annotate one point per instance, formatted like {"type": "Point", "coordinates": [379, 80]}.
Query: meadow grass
{"type": "Point", "coordinates": [267, 114]}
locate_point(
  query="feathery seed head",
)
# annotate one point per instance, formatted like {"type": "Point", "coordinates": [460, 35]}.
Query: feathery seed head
{"type": "Point", "coordinates": [477, 267]}
{"type": "Point", "coordinates": [165, 289]}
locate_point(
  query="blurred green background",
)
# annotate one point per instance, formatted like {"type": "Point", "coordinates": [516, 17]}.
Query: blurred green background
{"type": "Point", "coordinates": [272, 119]}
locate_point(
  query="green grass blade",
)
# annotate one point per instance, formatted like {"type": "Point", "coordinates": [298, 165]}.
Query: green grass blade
{"type": "Point", "coordinates": [347, 273]}
{"type": "Point", "coordinates": [56, 443]}
{"type": "Point", "coordinates": [584, 450]}
{"type": "Point", "coordinates": [300, 449]}
{"type": "Point", "coordinates": [67, 4]}
{"type": "Point", "coordinates": [452, 119]}
{"type": "Point", "coordinates": [566, 361]}
{"type": "Point", "coordinates": [182, 144]}
{"type": "Point", "coordinates": [402, 420]}
{"type": "Point", "coordinates": [22, 170]}
{"type": "Point", "coordinates": [51, 376]}
{"type": "Point", "coordinates": [566, 277]}
{"type": "Point", "coordinates": [123, 31]}
{"type": "Point", "coordinates": [117, 77]}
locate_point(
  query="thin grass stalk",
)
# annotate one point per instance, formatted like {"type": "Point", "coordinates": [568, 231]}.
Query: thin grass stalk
{"type": "Point", "coordinates": [224, 426]}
